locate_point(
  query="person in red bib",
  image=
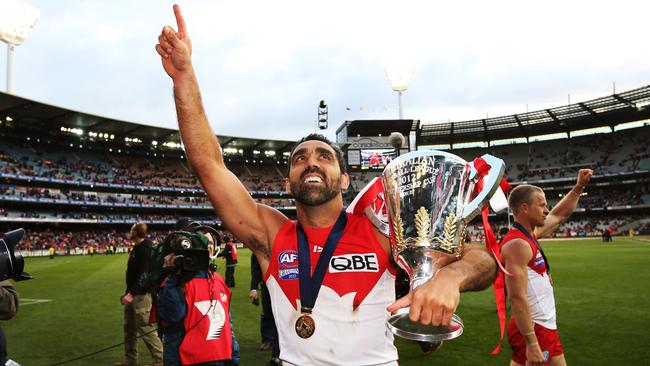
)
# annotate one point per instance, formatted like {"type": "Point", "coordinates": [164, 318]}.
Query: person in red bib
{"type": "Point", "coordinates": [194, 314]}
{"type": "Point", "coordinates": [329, 274]}
{"type": "Point", "coordinates": [532, 330]}
{"type": "Point", "coordinates": [230, 255]}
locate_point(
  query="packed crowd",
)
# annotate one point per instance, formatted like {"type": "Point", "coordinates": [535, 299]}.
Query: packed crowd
{"type": "Point", "coordinates": [109, 198]}
{"type": "Point", "coordinates": [622, 151]}
{"type": "Point", "coordinates": [78, 242]}
{"type": "Point", "coordinates": [67, 241]}
{"type": "Point", "coordinates": [116, 169]}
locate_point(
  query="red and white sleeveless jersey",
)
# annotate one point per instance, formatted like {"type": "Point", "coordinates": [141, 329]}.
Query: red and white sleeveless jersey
{"type": "Point", "coordinates": [350, 311]}
{"type": "Point", "coordinates": [539, 290]}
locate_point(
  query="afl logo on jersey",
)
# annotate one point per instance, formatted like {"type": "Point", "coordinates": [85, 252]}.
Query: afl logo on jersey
{"type": "Point", "coordinates": [288, 265]}
{"type": "Point", "coordinates": [539, 259]}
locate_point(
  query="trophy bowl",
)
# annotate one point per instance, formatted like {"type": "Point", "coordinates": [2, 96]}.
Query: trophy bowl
{"type": "Point", "coordinates": [429, 205]}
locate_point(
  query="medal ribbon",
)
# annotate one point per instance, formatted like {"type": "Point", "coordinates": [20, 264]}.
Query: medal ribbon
{"type": "Point", "coordinates": [483, 169]}
{"type": "Point", "coordinates": [310, 285]}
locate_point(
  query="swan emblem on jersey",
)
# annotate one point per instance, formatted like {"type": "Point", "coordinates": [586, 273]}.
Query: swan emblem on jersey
{"type": "Point", "coordinates": [216, 314]}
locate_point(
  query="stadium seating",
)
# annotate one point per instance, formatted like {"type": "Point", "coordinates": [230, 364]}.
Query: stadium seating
{"type": "Point", "coordinates": [158, 190]}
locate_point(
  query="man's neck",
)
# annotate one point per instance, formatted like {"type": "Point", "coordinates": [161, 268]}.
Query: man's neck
{"type": "Point", "coordinates": [527, 225]}
{"type": "Point", "coordinates": [320, 216]}
{"type": "Point", "coordinates": [138, 241]}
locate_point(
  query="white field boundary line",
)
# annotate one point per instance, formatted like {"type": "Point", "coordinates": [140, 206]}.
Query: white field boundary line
{"type": "Point", "coordinates": [24, 302]}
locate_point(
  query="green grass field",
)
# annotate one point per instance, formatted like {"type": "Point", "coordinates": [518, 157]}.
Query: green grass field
{"type": "Point", "coordinates": [602, 295]}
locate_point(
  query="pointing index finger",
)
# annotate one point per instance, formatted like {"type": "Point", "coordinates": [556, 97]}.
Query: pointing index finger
{"type": "Point", "coordinates": [180, 21]}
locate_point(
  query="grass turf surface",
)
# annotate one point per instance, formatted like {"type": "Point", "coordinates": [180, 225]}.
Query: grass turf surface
{"type": "Point", "coordinates": [602, 298]}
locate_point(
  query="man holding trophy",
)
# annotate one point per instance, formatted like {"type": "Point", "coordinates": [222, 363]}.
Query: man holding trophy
{"type": "Point", "coordinates": [329, 273]}
{"type": "Point", "coordinates": [532, 331]}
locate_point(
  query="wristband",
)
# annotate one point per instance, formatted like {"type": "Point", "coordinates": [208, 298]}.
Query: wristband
{"type": "Point", "coordinates": [533, 344]}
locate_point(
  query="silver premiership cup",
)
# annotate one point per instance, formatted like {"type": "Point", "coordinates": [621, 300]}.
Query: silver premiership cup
{"type": "Point", "coordinates": [427, 194]}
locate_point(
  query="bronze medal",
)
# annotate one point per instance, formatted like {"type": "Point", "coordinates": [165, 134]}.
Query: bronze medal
{"type": "Point", "coordinates": [305, 326]}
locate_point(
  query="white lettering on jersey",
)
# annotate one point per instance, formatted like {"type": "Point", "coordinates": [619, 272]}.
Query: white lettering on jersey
{"type": "Point", "coordinates": [318, 249]}
{"type": "Point", "coordinates": [354, 263]}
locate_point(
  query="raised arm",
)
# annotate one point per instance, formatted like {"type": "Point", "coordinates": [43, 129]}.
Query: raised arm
{"type": "Point", "coordinates": [563, 209]}
{"type": "Point", "coordinates": [516, 254]}
{"type": "Point", "coordinates": [254, 224]}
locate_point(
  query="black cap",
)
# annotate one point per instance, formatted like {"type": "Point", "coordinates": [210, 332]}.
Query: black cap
{"type": "Point", "coordinates": [186, 224]}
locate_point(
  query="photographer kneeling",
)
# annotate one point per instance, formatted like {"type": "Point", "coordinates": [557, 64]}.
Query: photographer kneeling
{"type": "Point", "coordinates": [201, 332]}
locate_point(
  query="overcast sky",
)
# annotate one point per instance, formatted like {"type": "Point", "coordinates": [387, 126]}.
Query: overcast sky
{"type": "Point", "coordinates": [263, 66]}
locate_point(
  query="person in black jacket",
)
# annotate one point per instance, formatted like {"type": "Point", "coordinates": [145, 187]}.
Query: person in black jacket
{"type": "Point", "coordinates": [137, 301]}
{"type": "Point", "coordinates": [267, 323]}
{"type": "Point", "coordinates": [230, 255]}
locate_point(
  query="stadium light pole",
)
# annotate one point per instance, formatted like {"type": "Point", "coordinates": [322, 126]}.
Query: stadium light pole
{"type": "Point", "coordinates": [399, 78]}
{"type": "Point", "coordinates": [16, 22]}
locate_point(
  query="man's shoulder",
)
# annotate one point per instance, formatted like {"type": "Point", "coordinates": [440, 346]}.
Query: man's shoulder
{"type": "Point", "coordinates": [516, 248]}
{"type": "Point", "coordinates": [144, 247]}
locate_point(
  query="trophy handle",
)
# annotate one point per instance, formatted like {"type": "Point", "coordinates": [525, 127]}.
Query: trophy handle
{"type": "Point", "coordinates": [490, 185]}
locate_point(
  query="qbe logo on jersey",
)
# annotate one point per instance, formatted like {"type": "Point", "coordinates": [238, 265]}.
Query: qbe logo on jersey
{"type": "Point", "coordinates": [288, 265]}
{"type": "Point", "coordinates": [354, 263]}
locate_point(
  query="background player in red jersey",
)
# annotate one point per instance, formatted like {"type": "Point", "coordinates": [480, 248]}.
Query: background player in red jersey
{"type": "Point", "coordinates": [532, 332]}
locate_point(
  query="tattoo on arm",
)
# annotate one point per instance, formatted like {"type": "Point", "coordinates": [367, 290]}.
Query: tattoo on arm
{"type": "Point", "coordinates": [257, 246]}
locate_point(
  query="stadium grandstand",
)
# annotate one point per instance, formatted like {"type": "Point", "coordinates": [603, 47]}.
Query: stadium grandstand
{"type": "Point", "coordinates": [73, 179]}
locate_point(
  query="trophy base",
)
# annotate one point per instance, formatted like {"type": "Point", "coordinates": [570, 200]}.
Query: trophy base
{"type": "Point", "coordinates": [400, 324]}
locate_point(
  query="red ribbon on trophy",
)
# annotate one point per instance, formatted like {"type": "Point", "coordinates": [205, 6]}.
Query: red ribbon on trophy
{"type": "Point", "coordinates": [491, 244]}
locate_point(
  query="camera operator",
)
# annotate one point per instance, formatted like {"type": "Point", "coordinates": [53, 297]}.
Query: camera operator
{"type": "Point", "coordinates": [11, 267]}
{"type": "Point", "coordinates": [201, 332]}
{"type": "Point", "coordinates": [8, 309]}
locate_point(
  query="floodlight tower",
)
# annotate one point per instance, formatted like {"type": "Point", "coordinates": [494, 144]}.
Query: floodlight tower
{"type": "Point", "coordinates": [399, 78]}
{"type": "Point", "coordinates": [16, 21]}
{"type": "Point", "coordinates": [322, 115]}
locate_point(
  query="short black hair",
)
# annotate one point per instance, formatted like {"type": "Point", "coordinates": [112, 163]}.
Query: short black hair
{"type": "Point", "coordinates": [318, 137]}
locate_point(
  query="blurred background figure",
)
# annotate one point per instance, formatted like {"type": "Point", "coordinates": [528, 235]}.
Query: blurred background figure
{"type": "Point", "coordinates": [230, 255]}
{"type": "Point", "coordinates": [137, 301]}
{"type": "Point", "coordinates": [268, 331]}
{"type": "Point", "coordinates": [8, 309]}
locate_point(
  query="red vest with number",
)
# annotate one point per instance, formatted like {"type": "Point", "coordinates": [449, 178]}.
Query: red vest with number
{"type": "Point", "coordinates": [208, 334]}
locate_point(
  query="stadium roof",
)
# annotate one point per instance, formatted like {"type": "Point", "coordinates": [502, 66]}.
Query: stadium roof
{"type": "Point", "coordinates": [377, 127]}
{"type": "Point", "coordinates": [629, 106]}
{"type": "Point", "coordinates": [40, 117]}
